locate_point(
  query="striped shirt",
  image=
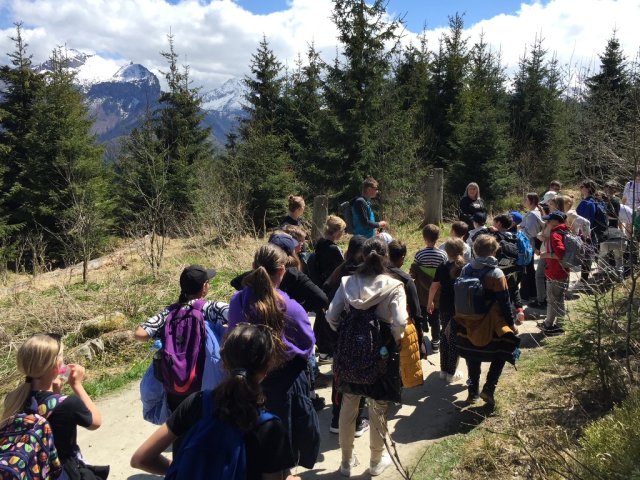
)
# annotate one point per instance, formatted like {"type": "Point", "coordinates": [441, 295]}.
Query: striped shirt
{"type": "Point", "coordinates": [430, 257]}
{"type": "Point", "coordinates": [214, 312]}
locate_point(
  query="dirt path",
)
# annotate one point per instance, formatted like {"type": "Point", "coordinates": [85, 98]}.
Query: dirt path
{"type": "Point", "coordinates": [428, 414]}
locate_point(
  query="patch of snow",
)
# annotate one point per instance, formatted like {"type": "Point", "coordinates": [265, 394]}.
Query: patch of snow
{"type": "Point", "coordinates": [133, 72]}
{"type": "Point", "coordinates": [228, 97]}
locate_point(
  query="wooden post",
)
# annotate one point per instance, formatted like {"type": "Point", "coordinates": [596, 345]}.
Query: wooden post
{"type": "Point", "coordinates": [320, 213]}
{"type": "Point", "coordinates": [433, 197]}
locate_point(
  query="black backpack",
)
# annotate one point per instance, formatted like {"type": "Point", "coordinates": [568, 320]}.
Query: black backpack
{"type": "Point", "coordinates": [346, 212]}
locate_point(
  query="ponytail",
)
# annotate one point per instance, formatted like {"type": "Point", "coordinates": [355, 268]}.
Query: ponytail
{"type": "Point", "coordinates": [375, 253]}
{"type": "Point", "coordinates": [36, 356]}
{"type": "Point", "coordinates": [454, 247]}
{"type": "Point", "coordinates": [247, 354]}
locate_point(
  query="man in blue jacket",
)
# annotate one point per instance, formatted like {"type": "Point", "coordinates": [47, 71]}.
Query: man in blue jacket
{"type": "Point", "coordinates": [364, 220]}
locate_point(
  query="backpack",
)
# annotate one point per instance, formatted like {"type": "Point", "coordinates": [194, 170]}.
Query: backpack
{"type": "Point", "coordinates": [470, 296]}
{"type": "Point", "coordinates": [212, 448]}
{"type": "Point", "coordinates": [358, 357]}
{"type": "Point", "coordinates": [574, 250]}
{"type": "Point", "coordinates": [27, 450]}
{"type": "Point", "coordinates": [346, 212]}
{"type": "Point", "coordinates": [179, 363]}
{"type": "Point", "coordinates": [525, 250]}
{"type": "Point", "coordinates": [601, 219]}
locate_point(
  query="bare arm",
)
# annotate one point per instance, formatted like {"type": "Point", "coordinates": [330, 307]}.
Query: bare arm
{"type": "Point", "coordinates": [141, 334]}
{"type": "Point", "coordinates": [148, 456]}
{"type": "Point", "coordinates": [75, 382]}
{"type": "Point", "coordinates": [433, 289]}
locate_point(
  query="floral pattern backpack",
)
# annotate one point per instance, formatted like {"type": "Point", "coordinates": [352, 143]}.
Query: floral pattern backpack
{"type": "Point", "coordinates": [27, 451]}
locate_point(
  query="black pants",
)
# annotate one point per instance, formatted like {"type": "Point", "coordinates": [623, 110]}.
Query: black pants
{"type": "Point", "coordinates": [528, 284]}
{"type": "Point", "coordinates": [495, 370]}
{"type": "Point", "coordinates": [433, 324]}
{"type": "Point", "coordinates": [513, 285]}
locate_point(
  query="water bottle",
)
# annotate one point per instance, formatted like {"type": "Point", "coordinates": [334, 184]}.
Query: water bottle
{"type": "Point", "coordinates": [519, 316]}
{"type": "Point", "coordinates": [63, 372]}
{"type": "Point", "coordinates": [384, 352]}
{"type": "Point", "coordinates": [157, 344]}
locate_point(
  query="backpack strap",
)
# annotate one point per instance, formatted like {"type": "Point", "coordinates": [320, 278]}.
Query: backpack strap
{"type": "Point", "coordinates": [46, 407]}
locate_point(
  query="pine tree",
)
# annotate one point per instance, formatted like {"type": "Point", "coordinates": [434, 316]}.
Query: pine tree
{"type": "Point", "coordinates": [64, 182]}
{"type": "Point", "coordinates": [21, 87]}
{"type": "Point", "coordinates": [443, 108]}
{"type": "Point", "coordinates": [262, 156]}
{"type": "Point", "coordinates": [479, 142]}
{"type": "Point", "coordinates": [355, 87]}
{"type": "Point", "coordinates": [537, 124]}
{"type": "Point", "coordinates": [179, 129]}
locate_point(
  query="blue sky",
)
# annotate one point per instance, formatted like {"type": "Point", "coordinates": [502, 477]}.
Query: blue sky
{"type": "Point", "coordinates": [434, 13]}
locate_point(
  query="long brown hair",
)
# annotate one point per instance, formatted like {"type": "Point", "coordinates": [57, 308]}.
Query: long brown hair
{"type": "Point", "coordinates": [246, 354]}
{"type": "Point", "coordinates": [534, 200]}
{"type": "Point", "coordinates": [267, 306]}
{"type": "Point", "coordinates": [454, 247]}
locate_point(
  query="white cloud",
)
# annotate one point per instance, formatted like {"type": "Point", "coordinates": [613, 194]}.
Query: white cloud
{"type": "Point", "coordinates": [217, 39]}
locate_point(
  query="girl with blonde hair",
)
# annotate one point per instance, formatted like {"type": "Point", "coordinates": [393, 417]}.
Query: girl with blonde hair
{"type": "Point", "coordinates": [40, 360]}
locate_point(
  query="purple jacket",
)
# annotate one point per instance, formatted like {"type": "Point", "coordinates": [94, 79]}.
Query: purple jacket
{"type": "Point", "coordinates": [298, 333]}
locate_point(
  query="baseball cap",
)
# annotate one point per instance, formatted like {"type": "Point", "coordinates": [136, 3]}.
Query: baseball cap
{"type": "Point", "coordinates": [557, 215]}
{"type": "Point", "coordinates": [550, 195]}
{"type": "Point", "coordinates": [517, 217]}
{"type": "Point", "coordinates": [386, 237]}
{"type": "Point", "coordinates": [285, 241]}
{"type": "Point", "coordinates": [194, 277]}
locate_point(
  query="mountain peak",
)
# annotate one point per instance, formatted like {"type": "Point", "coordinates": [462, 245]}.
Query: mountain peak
{"type": "Point", "coordinates": [133, 72]}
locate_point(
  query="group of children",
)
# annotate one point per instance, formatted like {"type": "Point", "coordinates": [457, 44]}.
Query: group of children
{"type": "Point", "coordinates": [467, 294]}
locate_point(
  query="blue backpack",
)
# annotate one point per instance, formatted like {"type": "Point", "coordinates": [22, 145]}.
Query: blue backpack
{"type": "Point", "coordinates": [525, 250]}
{"type": "Point", "coordinates": [212, 448]}
{"type": "Point", "coordinates": [601, 218]}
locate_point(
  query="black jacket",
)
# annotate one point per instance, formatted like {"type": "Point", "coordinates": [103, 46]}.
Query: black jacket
{"type": "Point", "coordinates": [469, 207]}
{"type": "Point", "coordinates": [327, 258]}
{"type": "Point", "coordinates": [413, 303]}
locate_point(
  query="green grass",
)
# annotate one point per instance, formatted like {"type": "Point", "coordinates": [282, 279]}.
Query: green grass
{"type": "Point", "coordinates": [107, 383]}
{"type": "Point", "coordinates": [440, 459]}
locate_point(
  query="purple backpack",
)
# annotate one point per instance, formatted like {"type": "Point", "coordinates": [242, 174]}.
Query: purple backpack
{"type": "Point", "coordinates": [181, 358]}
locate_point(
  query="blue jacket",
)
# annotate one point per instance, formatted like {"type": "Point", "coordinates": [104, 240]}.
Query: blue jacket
{"type": "Point", "coordinates": [364, 220]}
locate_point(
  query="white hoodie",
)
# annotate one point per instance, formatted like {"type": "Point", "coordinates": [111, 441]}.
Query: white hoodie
{"type": "Point", "coordinates": [364, 292]}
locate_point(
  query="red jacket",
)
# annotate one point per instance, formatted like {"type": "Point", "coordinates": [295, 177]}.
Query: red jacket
{"type": "Point", "coordinates": [553, 270]}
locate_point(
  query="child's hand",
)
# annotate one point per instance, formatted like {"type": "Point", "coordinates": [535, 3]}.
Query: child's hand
{"type": "Point", "coordinates": [77, 374]}
{"type": "Point", "coordinates": [431, 308]}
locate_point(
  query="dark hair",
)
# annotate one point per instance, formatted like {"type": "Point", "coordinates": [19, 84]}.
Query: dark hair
{"type": "Point", "coordinates": [246, 354]}
{"type": "Point", "coordinates": [397, 250]}
{"type": "Point", "coordinates": [354, 250]}
{"type": "Point", "coordinates": [559, 201]}
{"type": "Point", "coordinates": [555, 183]}
{"type": "Point", "coordinates": [431, 232]}
{"type": "Point", "coordinates": [505, 220]}
{"type": "Point", "coordinates": [375, 253]}
{"type": "Point", "coordinates": [460, 228]}
{"type": "Point", "coordinates": [534, 200]}
{"type": "Point", "coordinates": [589, 185]}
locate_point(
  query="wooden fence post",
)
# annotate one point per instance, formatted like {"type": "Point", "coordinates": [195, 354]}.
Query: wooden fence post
{"type": "Point", "coordinates": [433, 197]}
{"type": "Point", "coordinates": [320, 213]}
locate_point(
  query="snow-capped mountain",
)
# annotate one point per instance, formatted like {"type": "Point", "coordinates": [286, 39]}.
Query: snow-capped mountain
{"type": "Point", "coordinates": [120, 101]}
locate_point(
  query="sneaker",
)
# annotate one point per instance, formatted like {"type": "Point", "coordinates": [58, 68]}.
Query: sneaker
{"type": "Point", "coordinates": [345, 468]}
{"type": "Point", "coordinates": [435, 346]}
{"type": "Point", "coordinates": [324, 359]}
{"type": "Point", "coordinates": [381, 466]}
{"type": "Point", "coordinates": [361, 427]}
{"type": "Point", "coordinates": [552, 331]}
{"type": "Point", "coordinates": [487, 397]}
{"type": "Point", "coordinates": [454, 378]}
{"type": "Point", "coordinates": [443, 375]}
{"type": "Point", "coordinates": [472, 398]}
{"type": "Point", "coordinates": [335, 426]}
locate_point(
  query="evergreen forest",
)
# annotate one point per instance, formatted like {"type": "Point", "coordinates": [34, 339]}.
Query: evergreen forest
{"type": "Point", "coordinates": [378, 107]}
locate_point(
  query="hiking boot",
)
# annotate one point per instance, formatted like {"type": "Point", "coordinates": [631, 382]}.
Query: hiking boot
{"type": "Point", "coordinates": [362, 427]}
{"type": "Point", "coordinates": [487, 397]}
{"type": "Point", "coordinates": [554, 330]}
{"type": "Point", "coordinates": [381, 466]}
{"type": "Point", "coordinates": [345, 468]}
